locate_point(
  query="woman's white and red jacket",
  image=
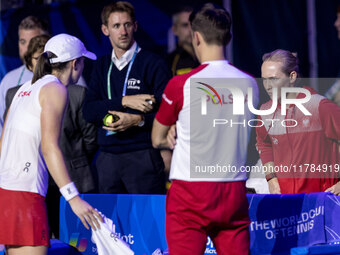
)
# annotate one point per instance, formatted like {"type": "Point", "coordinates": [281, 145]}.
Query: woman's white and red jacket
{"type": "Point", "coordinates": [304, 149]}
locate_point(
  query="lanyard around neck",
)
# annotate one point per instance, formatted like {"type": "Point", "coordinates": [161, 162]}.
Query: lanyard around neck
{"type": "Point", "coordinates": [126, 76]}
{"type": "Point", "coordinates": [20, 77]}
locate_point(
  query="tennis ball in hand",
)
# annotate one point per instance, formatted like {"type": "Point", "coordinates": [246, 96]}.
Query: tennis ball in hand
{"type": "Point", "coordinates": [109, 118]}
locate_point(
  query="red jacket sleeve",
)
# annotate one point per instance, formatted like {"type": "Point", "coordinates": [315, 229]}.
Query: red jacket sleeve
{"type": "Point", "coordinates": [330, 119]}
{"type": "Point", "coordinates": [264, 144]}
{"type": "Point", "coordinates": [172, 102]}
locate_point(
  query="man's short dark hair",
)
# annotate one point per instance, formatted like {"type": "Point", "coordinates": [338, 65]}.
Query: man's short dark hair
{"type": "Point", "coordinates": [120, 6]}
{"type": "Point", "coordinates": [213, 23]}
{"type": "Point", "coordinates": [181, 9]}
{"type": "Point", "coordinates": [33, 22]}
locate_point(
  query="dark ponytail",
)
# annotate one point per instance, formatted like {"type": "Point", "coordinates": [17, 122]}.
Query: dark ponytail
{"type": "Point", "coordinates": [42, 67]}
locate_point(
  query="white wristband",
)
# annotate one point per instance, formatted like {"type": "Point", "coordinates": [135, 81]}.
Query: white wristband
{"type": "Point", "coordinates": [69, 191]}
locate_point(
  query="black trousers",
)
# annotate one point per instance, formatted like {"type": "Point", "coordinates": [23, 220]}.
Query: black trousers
{"type": "Point", "coordinates": [138, 172]}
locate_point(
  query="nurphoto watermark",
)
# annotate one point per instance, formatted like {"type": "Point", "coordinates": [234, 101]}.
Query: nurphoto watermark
{"type": "Point", "coordinates": [223, 112]}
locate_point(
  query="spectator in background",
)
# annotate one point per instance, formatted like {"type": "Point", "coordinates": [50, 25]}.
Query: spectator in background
{"type": "Point", "coordinates": [77, 139]}
{"type": "Point", "coordinates": [29, 144]}
{"type": "Point", "coordinates": [128, 84]}
{"type": "Point", "coordinates": [333, 93]}
{"type": "Point", "coordinates": [34, 50]}
{"type": "Point", "coordinates": [29, 27]}
{"type": "Point", "coordinates": [310, 148]}
{"type": "Point", "coordinates": [337, 21]}
{"type": "Point", "coordinates": [205, 205]}
{"type": "Point", "coordinates": [182, 60]}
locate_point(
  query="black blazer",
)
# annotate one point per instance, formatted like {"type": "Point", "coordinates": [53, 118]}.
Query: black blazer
{"type": "Point", "coordinates": [77, 139]}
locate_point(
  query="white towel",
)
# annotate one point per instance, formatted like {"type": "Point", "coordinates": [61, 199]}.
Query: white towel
{"type": "Point", "coordinates": [107, 241]}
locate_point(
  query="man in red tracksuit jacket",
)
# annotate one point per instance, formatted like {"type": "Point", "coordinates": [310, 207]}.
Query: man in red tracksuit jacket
{"type": "Point", "coordinates": [300, 153]}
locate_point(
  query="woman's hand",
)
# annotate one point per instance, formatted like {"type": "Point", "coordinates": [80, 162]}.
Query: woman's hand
{"type": "Point", "coordinates": [86, 213]}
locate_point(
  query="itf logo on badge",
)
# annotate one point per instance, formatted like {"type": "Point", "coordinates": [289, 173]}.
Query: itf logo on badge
{"type": "Point", "coordinates": [133, 84]}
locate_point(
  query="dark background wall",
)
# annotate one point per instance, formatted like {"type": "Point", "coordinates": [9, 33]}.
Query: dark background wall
{"type": "Point", "coordinates": [82, 19]}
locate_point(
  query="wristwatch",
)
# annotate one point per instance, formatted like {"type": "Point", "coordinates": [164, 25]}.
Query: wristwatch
{"type": "Point", "coordinates": [141, 122]}
{"type": "Point", "coordinates": [270, 176]}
